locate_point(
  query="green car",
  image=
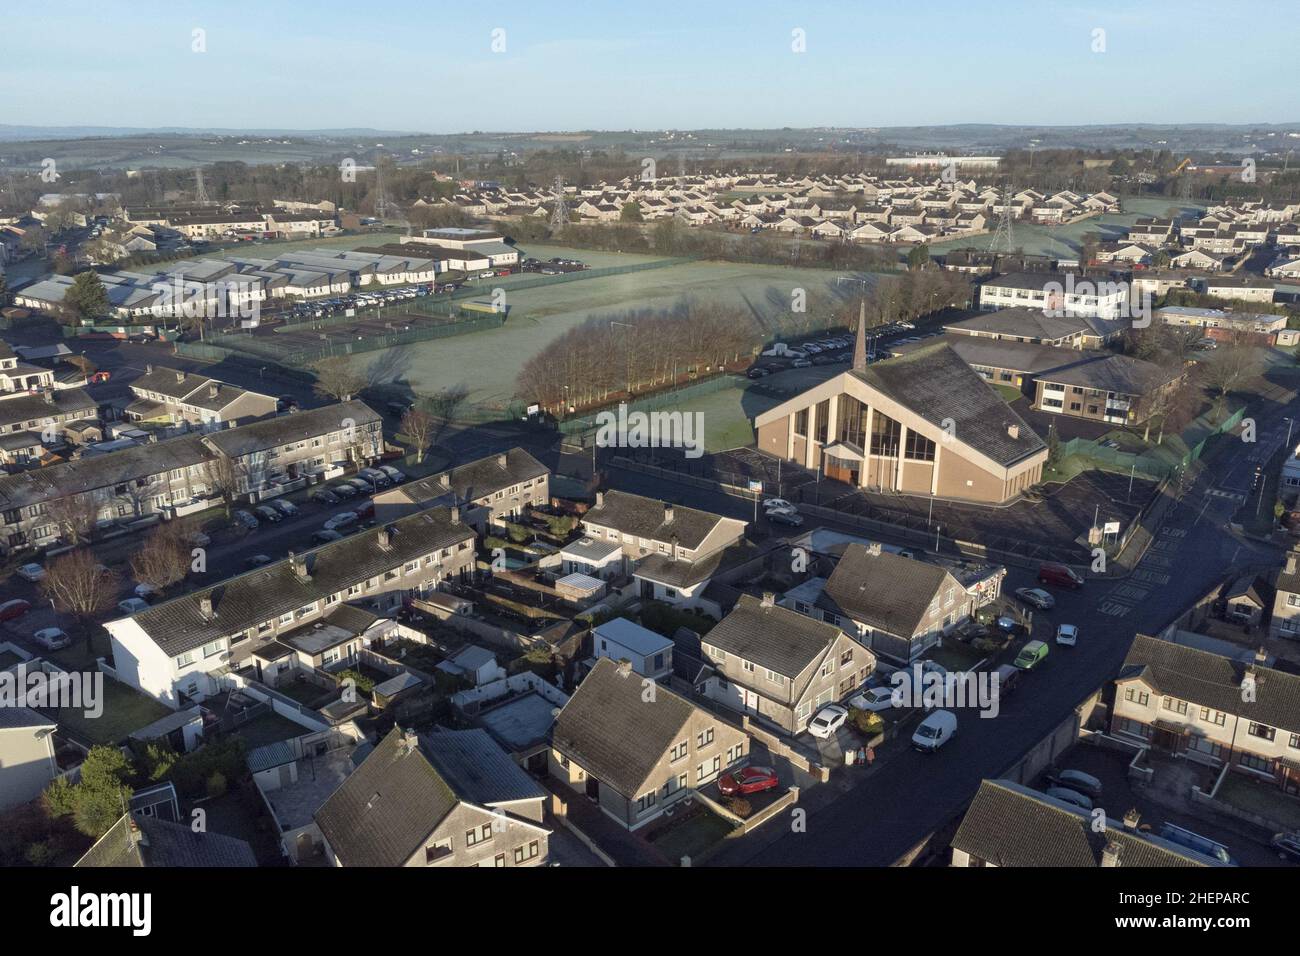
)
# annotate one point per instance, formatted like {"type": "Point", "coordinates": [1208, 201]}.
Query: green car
{"type": "Point", "coordinates": [1031, 655]}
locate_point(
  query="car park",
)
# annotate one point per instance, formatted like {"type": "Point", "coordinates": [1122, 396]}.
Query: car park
{"type": "Point", "coordinates": [133, 605]}
{"type": "Point", "coordinates": [325, 496]}
{"type": "Point", "coordinates": [51, 638]}
{"type": "Point", "coordinates": [267, 513]}
{"type": "Point", "coordinates": [16, 608]}
{"type": "Point", "coordinates": [1072, 797]}
{"type": "Point", "coordinates": [286, 508]}
{"type": "Point", "coordinates": [936, 730]}
{"type": "Point", "coordinates": [1036, 597]}
{"type": "Point", "coordinates": [1067, 635]}
{"type": "Point", "coordinates": [747, 780]}
{"type": "Point", "coordinates": [31, 572]}
{"type": "Point", "coordinates": [1077, 780]}
{"type": "Point", "coordinates": [827, 720]}
{"type": "Point", "coordinates": [1031, 655]}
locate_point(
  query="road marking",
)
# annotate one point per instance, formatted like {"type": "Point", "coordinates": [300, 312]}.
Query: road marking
{"type": "Point", "coordinates": [1114, 610]}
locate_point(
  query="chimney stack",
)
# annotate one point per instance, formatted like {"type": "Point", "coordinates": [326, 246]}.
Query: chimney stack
{"type": "Point", "coordinates": [299, 564]}
{"type": "Point", "coordinates": [502, 461]}
{"type": "Point", "coordinates": [624, 668]}
{"type": "Point", "coordinates": [445, 479]}
{"type": "Point", "coordinates": [1013, 431]}
{"type": "Point", "coordinates": [1261, 656]}
{"type": "Point", "coordinates": [668, 512]}
{"type": "Point", "coordinates": [1131, 820]}
{"type": "Point", "coordinates": [1110, 855]}
{"type": "Point", "coordinates": [180, 376]}
{"type": "Point", "coordinates": [213, 389]}
{"type": "Point", "coordinates": [768, 599]}
{"type": "Point", "coordinates": [455, 514]}
{"type": "Point", "coordinates": [873, 548]}
{"type": "Point", "coordinates": [1291, 557]}
{"type": "Point", "coordinates": [600, 499]}
{"type": "Point", "coordinates": [205, 607]}
{"type": "Point", "coordinates": [148, 369]}
{"type": "Point", "coordinates": [385, 537]}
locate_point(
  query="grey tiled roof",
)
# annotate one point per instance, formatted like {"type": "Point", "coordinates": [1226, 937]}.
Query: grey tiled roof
{"type": "Point", "coordinates": [15, 718]}
{"type": "Point", "coordinates": [384, 811]}
{"type": "Point", "coordinates": [477, 769]}
{"type": "Point", "coordinates": [65, 401]}
{"type": "Point", "coordinates": [244, 601]}
{"type": "Point", "coordinates": [299, 426]}
{"type": "Point", "coordinates": [772, 637]}
{"type": "Point", "coordinates": [645, 518]}
{"type": "Point", "coordinates": [1010, 825]}
{"type": "Point", "coordinates": [474, 479]}
{"type": "Point", "coordinates": [613, 732]}
{"type": "Point", "coordinates": [885, 591]}
{"type": "Point", "coordinates": [1026, 323]}
{"type": "Point", "coordinates": [1122, 374]}
{"type": "Point", "coordinates": [936, 384]}
{"type": "Point", "coordinates": [163, 843]}
{"type": "Point", "coordinates": [1212, 681]}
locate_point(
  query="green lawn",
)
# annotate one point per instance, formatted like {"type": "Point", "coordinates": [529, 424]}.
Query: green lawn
{"type": "Point", "coordinates": [692, 835]}
{"type": "Point", "coordinates": [1009, 393]}
{"type": "Point", "coordinates": [1260, 798]}
{"type": "Point", "coordinates": [125, 710]}
{"type": "Point", "coordinates": [955, 656]}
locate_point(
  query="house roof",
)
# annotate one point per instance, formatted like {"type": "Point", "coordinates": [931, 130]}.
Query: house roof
{"type": "Point", "coordinates": [477, 769]}
{"type": "Point", "coordinates": [139, 841]}
{"type": "Point", "coordinates": [772, 637]}
{"type": "Point", "coordinates": [248, 599]}
{"type": "Point", "coordinates": [473, 480]}
{"type": "Point", "coordinates": [21, 718]}
{"type": "Point", "coordinates": [1122, 374]}
{"type": "Point", "coordinates": [886, 591]}
{"type": "Point", "coordinates": [300, 426]}
{"type": "Point", "coordinates": [937, 385]}
{"type": "Point", "coordinates": [1008, 824]}
{"type": "Point", "coordinates": [616, 734]}
{"type": "Point", "coordinates": [1024, 323]}
{"type": "Point", "coordinates": [386, 808]}
{"type": "Point", "coordinates": [647, 518]}
{"type": "Point", "coordinates": [632, 636]}
{"type": "Point", "coordinates": [62, 402]}
{"type": "Point", "coordinates": [1209, 680]}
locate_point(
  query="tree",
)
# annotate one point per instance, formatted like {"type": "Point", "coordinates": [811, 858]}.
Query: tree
{"type": "Point", "coordinates": [418, 427]}
{"type": "Point", "coordinates": [918, 257]}
{"type": "Point", "coordinates": [443, 407]}
{"type": "Point", "coordinates": [1230, 365]}
{"type": "Point", "coordinates": [335, 379]}
{"type": "Point", "coordinates": [75, 516]}
{"type": "Point", "coordinates": [223, 474]}
{"type": "Point", "coordinates": [80, 586]}
{"type": "Point", "coordinates": [87, 297]}
{"type": "Point", "coordinates": [99, 798]}
{"type": "Point", "coordinates": [631, 212]}
{"type": "Point", "coordinates": [163, 557]}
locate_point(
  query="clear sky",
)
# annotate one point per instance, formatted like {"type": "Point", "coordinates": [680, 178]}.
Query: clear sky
{"type": "Point", "coordinates": [430, 66]}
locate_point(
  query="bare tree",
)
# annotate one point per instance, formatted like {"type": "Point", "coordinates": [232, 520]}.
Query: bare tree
{"type": "Point", "coordinates": [162, 558]}
{"type": "Point", "coordinates": [223, 473]}
{"type": "Point", "coordinates": [418, 426]}
{"type": "Point", "coordinates": [80, 586]}
{"type": "Point", "coordinates": [444, 406]}
{"type": "Point", "coordinates": [335, 379]}
{"type": "Point", "coordinates": [75, 516]}
{"type": "Point", "coordinates": [1232, 364]}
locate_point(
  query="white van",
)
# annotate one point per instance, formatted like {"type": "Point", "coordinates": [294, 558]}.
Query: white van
{"type": "Point", "coordinates": [935, 731]}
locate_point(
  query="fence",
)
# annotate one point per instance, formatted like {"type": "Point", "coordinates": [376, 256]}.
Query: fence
{"type": "Point", "coordinates": [1160, 462]}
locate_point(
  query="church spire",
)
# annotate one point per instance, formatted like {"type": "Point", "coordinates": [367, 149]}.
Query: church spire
{"type": "Point", "coordinates": [860, 343]}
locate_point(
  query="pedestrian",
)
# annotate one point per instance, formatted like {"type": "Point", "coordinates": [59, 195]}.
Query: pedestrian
{"type": "Point", "coordinates": [871, 755]}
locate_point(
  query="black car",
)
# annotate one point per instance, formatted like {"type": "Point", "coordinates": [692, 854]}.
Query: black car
{"type": "Point", "coordinates": [756, 372]}
{"type": "Point", "coordinates": [1287, 846]}
{"type": "Point", "coordinates": [326, 497]}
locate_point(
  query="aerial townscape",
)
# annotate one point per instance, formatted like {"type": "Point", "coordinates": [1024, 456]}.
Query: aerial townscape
{"type": "Point", "coordinates": [653, 466]}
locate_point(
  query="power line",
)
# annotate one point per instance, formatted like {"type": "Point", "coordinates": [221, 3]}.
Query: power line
{"type": "Point", "coordinates": [560, 214]}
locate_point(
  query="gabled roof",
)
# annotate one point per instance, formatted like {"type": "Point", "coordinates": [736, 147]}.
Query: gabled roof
{"type": "Point", "coordinates": [1121, 374]}
{"type": "Point", "coordinates": [386, 808]}
{"type": "Point", "coordinates": [473, 480]}
{"type": "Point", "coordinates": [1209, 680]}
{"type": "Point", "coordinates": [477, 769]}
{"type": "Point", "coordinates": [1008, 824]}
{"type": "Point", "coordinates": [300, 426]}
{"type": "Point", "coordinates": [886, 591]}
{"type": "Point", "coordinates": [647, 518]}
{"type": "Point", "coordinates": [614, 732]}
{"type": "Point", "coordinates": [772, 637]}
{"type": "Point", "coordinates": [138, 841]}
{"type": "Point", "coordinates": [1023, 323]}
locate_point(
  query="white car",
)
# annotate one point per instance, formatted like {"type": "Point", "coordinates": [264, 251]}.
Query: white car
{"type": "Point", "coordinates": [341, 520]}
{"type": "Point", "coordinates": [874, 699]}
{"type": "Point", "coordinates": [827, 720]}
{"type": "Point", "coordinates": [145, 591]}
{"type": "Point", "coordinates": [51, 638]}
{"type": "Point", "coordinates": [31, 572]}
{"type": "Point", "coordinates": [132, 605]}
{"type": "Point", "coordinates": [1067, 634]}
{"type": "Point", "coordinates": [778, 504]}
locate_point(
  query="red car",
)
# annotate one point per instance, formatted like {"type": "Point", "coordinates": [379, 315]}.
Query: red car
{"type": "Point", "coordinates": [15, 608]}
{"type": "Point", "coordinates": [748, 780]}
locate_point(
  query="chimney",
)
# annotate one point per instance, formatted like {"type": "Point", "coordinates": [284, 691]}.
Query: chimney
{"type": "Point", "coordinates": [1261, 656]}
{"type": "Point", "coordinates": [148, 369]}
{"type": "Point", "coordinates": [624, 668]}
{"type": "Point", "coordinates": [502, 461]}
{"type": "Point", "coordinates": [860, 341]}
{"type": "Point", "coordinates": [205, 608]}
{"type": "Point", "coordinates": [1291, 557]}
{"type": "Point", "coordinates": [600, 499]}
{"type": "Point", "coordinates": [47, 393]}
{"type": "Point", "coordinates": [445, 479]}
{"type": "Point", "coordinates": [180, 376]}
{"type": "Point", "coordinates": [1110, 855]}
{"type": "Point", "coordinates": [1131, 820]}
{"type": "Point", "coordinates": [410, 742]}
{"type": "Point", "coordinates": [768, 599]}
{"type": "Point", "coordinates": [1013, 431]}
{"type": "Point", "coordinates": [873, 548]}
{"type": "Point", "coordinates": [213, 389]}
{"type": "Point", "coordinates": [668, 512]}
{"type": "Point", "coordinates": [299, 564]}
{"type": "Point", "coordinates": [385, 537]}
{"type": "Point", "coordinates": [455, 514]}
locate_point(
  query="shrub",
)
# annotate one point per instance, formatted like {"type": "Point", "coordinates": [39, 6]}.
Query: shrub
{"type": "Point", "coordinates": [740, 807]}
{"type": "Point", "coordinates": [217, 785]}
{"type": "Point", "coordinates": [39, 853]}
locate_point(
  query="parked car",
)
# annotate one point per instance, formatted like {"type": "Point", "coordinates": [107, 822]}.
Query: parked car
{"type": "Point", "coordinates": [360, 485]}
{"type": "Point", "coordinates": [51, 638]}
{"type": "Point", "coordinates": [1031, 655]}
{"type": "Point", "coordinates": [1008, 676]}
{"type": "Point", "coordinates": [936, 730]}
{"type": "Point", "coordinates": [827, 720]}
{"type": "Point", "coordinates": [801, 363]}
{"type": "Point", "coordinates": [1067, 635]}
{"type": "Point", "coordinates": [325, 497]}
{"type": "Point", "coordinates": [31, 572]}
{"type": "Point", "coordinates": [146, 592]}
{"type": "Point", "coordinates": [395, 476]}
{"type": "Point", "coordinates": [267, 513]}
{"type": "Point", "coordinates": [199, 539]}
{"type": "Point", "coordinates": [341, 520]}
{"type": "Point", "coordinates": [1007, 625]}
{"type": "Point", "coordinates": [257, 560]}
{"type": "Point", "coordinates": [790, 518]}
{"type": "Point", "coordinates": [15, 608]}
{"type": "Point", "coordinates": [1194, 841]}
{"type": "Point", "coordinates": [247, 520]}
{"type": "Point", "coordinates": [376, 477]}
{"type": "Point", "coordinates": [1069, 796]}
{"type": "Point", "coordinates": [343, 490]}
{"type": "Point", "coordinates": [286, 508]}
{"type": "Point", "coordinates": [1036, 597]}
{"type": "Point", "coordinates": [1287, 845]}
{"type": "Point", "coordinates": [756, 372]}
{"type": "Point", "coordinates": [133, 605]}
{"type": "Point", "coordinates": [325, 536]}
{"type": "Point", "coordinates": [748, 780]}
{"type": "Point", "coordinates": [1076, 780]}
{"type": "Point", "coordinates": [1060, 575]}
{"type": "Point", "coordinates": [874, 699]}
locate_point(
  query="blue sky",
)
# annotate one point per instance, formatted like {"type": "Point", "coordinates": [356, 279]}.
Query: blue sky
{"type": "Point", "coordinates": [429, 66]}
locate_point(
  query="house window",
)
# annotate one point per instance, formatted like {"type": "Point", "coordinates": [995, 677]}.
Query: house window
{"type": "Point", "coordinates": [211, 648]}
{"type": "Point", "coordinates": [185, 660]}
{"type": "Point", "coordinates": [645, 802]}
{"type": "Point", "coordinates": [846, 659]}
{"type": "Point", "coordinates": [1217, 717]}
{"type": "Point", "coordinates": [704, 738]}
{"type": "Point", "coordinates": [1175, 705]}
{"type": "Point", "coordinates": [1262, 731]}
{"type": "Point", "coordinates": [1139, 697]}
{"type": "Point", "coordinates": [1255, 762]}
{"type": "Point", "coordinates": [478, 835]}
{"type": "Point", "coordinates": [526, 853]}
{"type": "Point", "coordinates": [678, 752]}
{"type": "Point", "coordinates": [1134, 727]}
